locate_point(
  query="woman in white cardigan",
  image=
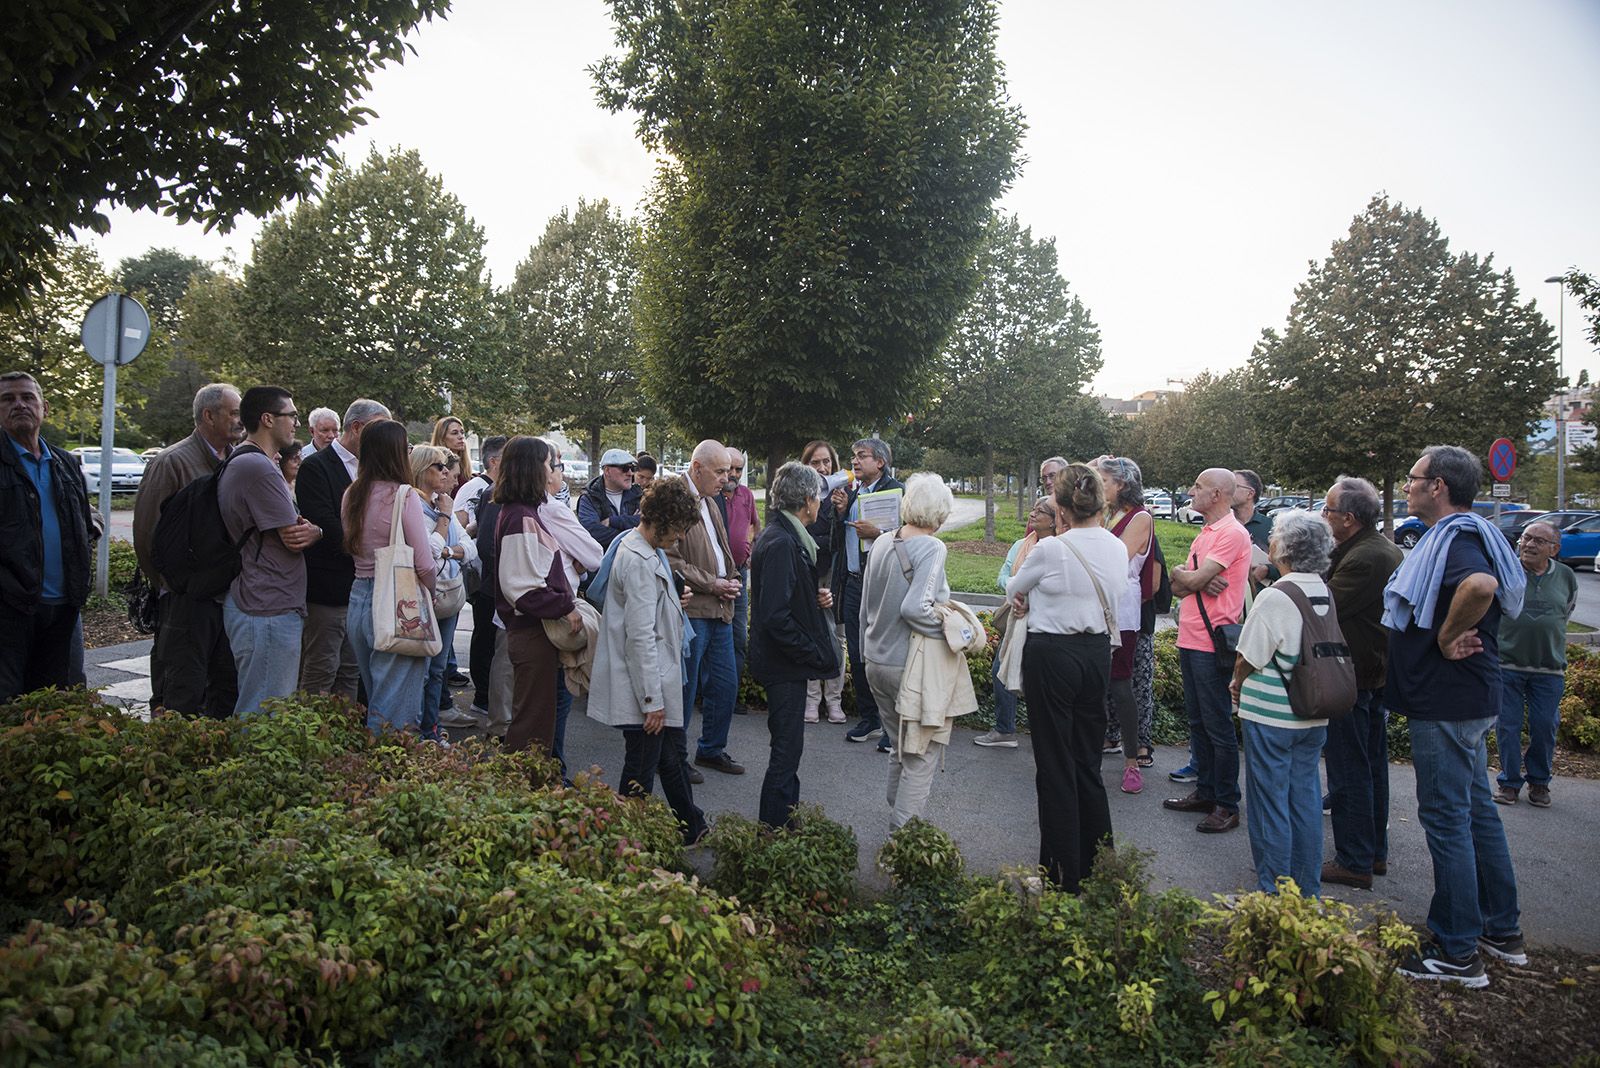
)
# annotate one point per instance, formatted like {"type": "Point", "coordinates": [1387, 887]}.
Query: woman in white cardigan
{"type": "Point", "coordinates": [637, 683]}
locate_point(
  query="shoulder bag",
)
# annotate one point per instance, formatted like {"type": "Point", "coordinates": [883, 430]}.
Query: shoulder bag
{"type": "Point", "coordinates": [403, 617]}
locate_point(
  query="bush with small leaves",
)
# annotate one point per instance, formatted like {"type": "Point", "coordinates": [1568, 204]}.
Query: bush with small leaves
{"type": "Point", "coordinates": [920, 855]}
{"type": "Point", "coordinates": [799, 876]}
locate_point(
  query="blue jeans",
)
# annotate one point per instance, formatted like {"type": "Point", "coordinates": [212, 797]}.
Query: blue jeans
{"type": "Point", "coordinates": [438, 666]}
{"type": "Point", "coordinates": [1212, 743]}
{"type": "Point", "coordinates": [1474, 885]}
{"type": "Point", "coordinates": [266, 652]}
{"type": "Point", "coordinates": [394, 683]}
{"type": "Point", "coordinates": [1541, 694]}
{"type": "Point", "coordinates": [1005, 703]}
{"type": "Point", "coordinates": [709, 673]}
{"type": "Point", "coordinates": [1284, 815]}
{"type": "Point", "coordinates": [1358, 783]}
{"type": "Point", "coordinates": [563, 706]}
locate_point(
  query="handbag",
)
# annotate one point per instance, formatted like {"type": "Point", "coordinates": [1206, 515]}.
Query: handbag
{"type": "Point", "coordinates": [1224, 639]}
{"type": "Point", "coordinates": [1109, 613]}
{"type": "Point", "coordinates": [403, 618]}
{"type": "Point", "coordinates": [450, 593]}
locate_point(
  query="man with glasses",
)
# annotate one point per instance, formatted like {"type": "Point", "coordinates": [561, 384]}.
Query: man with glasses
{"type": "Point", "coordinates": [1443, 608]}
{"type": "Point", "coordinates": [744, 524]}
{"type": "Point", "coordinates": [1533, 667]}
{"type": "Point", "coordinates": [610, 503]}
{"type": "Point", "coordinates": [1357, 749]}
{"type": "Point", "coordinates": [1047, 476]}
{"type": "Point", "coordinates": [264, 609]}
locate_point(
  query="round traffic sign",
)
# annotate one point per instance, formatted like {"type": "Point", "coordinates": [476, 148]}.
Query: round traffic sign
{"type": "Point", "coordinates": [116, 329]}
{"type": "Point", "coordinates": [1502, 459]}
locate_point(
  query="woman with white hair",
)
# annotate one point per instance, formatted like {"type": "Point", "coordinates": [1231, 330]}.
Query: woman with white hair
{"type": "Point", "coordinates": [433, 473]}
{"type": "Point", "coordinates": [1131, 522]}
{"type": "Point", "coordinates": [1282, 750]}
{"type": "Point", "coordinates": [792, 641]}
{"type": "Point", "coordinates": [893, 606]}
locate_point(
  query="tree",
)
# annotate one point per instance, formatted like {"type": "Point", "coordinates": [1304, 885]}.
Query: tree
{"type": "Point", "coordinates": [199, 108]}
{"type": "Point", "coordinates": [572, 328]}
{"type": "Point", "coordinates": [1394, 343]}
{"type": "Point", "coordinates": [1207, 425]}
{"type": "Point", "coordinates": [1010, 377]}
{"type": "Point", "coordinates": [377, 288]}
{"type": "Point", "coordinates": [810, 239]}
{"type": "Point", "coordinates": [44, 337]}
{"type": "Point", "coordinates": [158, 279]}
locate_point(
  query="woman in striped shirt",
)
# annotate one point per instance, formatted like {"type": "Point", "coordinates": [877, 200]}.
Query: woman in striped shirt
{"type": "Point", "coordinates": [1283, 800]}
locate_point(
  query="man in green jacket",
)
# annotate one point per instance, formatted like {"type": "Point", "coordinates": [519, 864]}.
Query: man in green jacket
{"type": "Point", "coordinates": [1357, 750]}
{"type": "Point", "coordinates": [1533, 667]}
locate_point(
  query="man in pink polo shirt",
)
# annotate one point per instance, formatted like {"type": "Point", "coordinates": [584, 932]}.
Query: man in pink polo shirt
{"type": "Point", "coordinates": [1212, 583]}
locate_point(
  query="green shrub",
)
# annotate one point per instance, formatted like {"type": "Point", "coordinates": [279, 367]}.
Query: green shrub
{"type": "Point", "coordinates": [800, 876]}
{"type": "Point", "coordinates": [930, 1033]}
{"type": "Point", "coordinates": [920, 855]}
{"type": "Point", "coordinates": [1294, 962]}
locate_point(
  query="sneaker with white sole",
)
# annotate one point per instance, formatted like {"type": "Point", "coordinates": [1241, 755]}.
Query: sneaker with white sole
{"type": "Point", "coordinates": [995, 739]}
{"type": "Point", "coordinates": [863, 732]}
{"type": "Point", "coordinates": [1508, 947]}
{"type": "Point", "coordinates": [454, 717]}
{"type": "Point", "coordinates": [1184, 774]}
{"type": "Point", "coordinates": [1431, 962]}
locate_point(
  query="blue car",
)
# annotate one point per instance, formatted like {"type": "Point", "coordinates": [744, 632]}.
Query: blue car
{"type": "Point", "coordinates": [1580, 543]}
{"type": "Point", "coordinates": [1409, 530]}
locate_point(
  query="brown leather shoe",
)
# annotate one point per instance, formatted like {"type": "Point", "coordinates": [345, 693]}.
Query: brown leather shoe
{"type": "Point", "coordinates": [1220, 820]}
{"type": "Point", "coordinates": [1380, 867]}
{"type": "Point", "coordinates": [1192, 803]}
{"type": "Point", "coordinates": [1334, 872]}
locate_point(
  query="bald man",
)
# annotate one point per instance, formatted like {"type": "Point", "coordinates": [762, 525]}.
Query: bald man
{"type": "Point", "coordinates": [1212, 583]}
{"type": "Point", "coordinates": [704, 559]}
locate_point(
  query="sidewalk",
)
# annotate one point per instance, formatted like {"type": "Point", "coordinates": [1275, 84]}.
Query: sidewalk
{"type": "Point", "coordinates": [985, 799]}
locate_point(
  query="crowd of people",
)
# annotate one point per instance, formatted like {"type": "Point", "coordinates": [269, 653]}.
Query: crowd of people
{"type": "Point", "coordinates": [346, 562]}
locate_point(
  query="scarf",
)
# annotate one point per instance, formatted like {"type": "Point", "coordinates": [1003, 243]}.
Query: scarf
{"type": "Point", "coordinates": [1412, 594]}
{"type": "Point", "coordinates": [807, 542]}
{"type": "Point", "coordinates": [1030, 542]}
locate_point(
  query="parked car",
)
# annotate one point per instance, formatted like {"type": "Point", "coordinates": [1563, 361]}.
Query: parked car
{"type": "Point", "coordinates": [1277, 504]}
{"type": "Point", "coordinates": [150, 453]}
{"type": "Point", "coordinates": [127, 468]}
{"type": "Point", "coordinates": [1160, 505]}
{"type": "Point", "coordinates": [1409, 531]}
{"type": "Point", "coordinates": [1187, 514]}
{"type": "Point", "coordinates": [1580, 542]}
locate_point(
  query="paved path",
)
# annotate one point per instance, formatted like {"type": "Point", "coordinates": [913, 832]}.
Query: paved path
{"type": "Point", "coordinates": [985, 798]}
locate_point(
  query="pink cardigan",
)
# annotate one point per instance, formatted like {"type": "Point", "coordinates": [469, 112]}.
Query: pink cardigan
{"type": "Point", "coordinates": [375, 531]}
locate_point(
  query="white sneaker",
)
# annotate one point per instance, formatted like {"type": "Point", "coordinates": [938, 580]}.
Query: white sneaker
{"type": "Point", "coordinates": [994, 739]}
{"type": "Point", "coordinates": [454, 717]}
{"type": "Point", "coordinates": [811, 715]}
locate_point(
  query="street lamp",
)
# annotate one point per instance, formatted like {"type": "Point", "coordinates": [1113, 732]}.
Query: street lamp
{"type": "Point", "coordinates": [1561, 411]}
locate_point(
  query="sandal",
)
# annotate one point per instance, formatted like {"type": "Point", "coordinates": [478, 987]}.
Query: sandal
{"type": "Point", "coordinates": [1146, 757]}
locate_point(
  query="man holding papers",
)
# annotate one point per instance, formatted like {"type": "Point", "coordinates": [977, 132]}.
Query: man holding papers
{"type": "Point", "coordinates": [869, 505]}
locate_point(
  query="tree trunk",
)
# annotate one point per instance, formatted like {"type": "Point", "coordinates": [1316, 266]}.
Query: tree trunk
{"type": "Point", "coordinates": [1024, 484]}
{"type": "Point", "coordinates": [988, 495]}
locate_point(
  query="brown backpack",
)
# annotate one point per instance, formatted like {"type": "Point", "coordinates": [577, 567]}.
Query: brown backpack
{"type": "Point", "coordinates": [1323, 685]}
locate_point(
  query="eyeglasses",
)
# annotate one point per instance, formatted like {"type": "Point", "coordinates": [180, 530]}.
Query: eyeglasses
{"type": "Point", "coordinates": [557, 466]}
{"type": "Point", "coordinates": [1410, 478]}
{"type": "Point", "coordinates": [622, 467]}
{"type": "Point", "coordinates": [290, 414]}
{"type": "Point", "coordinates": [441, 466]}
{"type": "Point", "coordinates": [1534, 539]}
{"type": "Point", "coordinates": [1334, 511]}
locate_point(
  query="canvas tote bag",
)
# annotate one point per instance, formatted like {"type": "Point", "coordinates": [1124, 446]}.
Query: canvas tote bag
{"type": "Point", "coordinates": [403, 619]}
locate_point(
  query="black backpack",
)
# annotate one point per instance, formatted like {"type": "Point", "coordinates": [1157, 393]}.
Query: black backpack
{"type": "Point", "coordinates": [193, 554]}
{"type": "Point", "coordinates": [1323, 685]}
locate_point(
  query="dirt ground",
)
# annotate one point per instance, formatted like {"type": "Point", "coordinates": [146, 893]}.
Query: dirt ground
{"type": "Point", "coordinates": [1546, 1013]}
{"type": "Point", "coordinates": [108, 625]}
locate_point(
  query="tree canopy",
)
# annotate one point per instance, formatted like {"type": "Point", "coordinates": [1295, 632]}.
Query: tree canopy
{"type": "Point", "coordinates": [1394, 343]}
{"type": "Point", "coordinates": [811, 237]}
{"type": "Point", "coordinates": [1209, 424]}
{"type": "Point", "coordinates": [1009, 381]}
{"type": "Point", "coordinates": [571, 329]}
{"type": "Point", "coordinates": [202, 109]}
{"type": "Point", "coordinates": [376, 288]}
{"type": "Point", "coordinates": [158, 279]}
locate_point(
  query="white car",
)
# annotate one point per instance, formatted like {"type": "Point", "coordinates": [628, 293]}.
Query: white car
{"type": "Point", "coordinates": [1160, 505]}
{"type": "Point", "coordinates": [127, 469]}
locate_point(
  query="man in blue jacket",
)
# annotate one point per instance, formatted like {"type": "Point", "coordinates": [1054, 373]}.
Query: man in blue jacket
{"type": "Point", "coordinates": [610, 504]}
{"type": "Point", "coordinates": [853, 537]}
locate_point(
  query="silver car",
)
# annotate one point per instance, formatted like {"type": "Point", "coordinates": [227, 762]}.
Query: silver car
{"type": "Point", "coordinates": [127, 469]}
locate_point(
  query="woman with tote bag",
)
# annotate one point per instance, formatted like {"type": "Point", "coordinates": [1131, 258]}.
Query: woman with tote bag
{"type": "Point", "coordinates": [392, 644]}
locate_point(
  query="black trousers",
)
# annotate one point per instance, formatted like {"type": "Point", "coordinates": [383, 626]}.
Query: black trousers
{"type": "Point", "coordinates": [780, 789]}
{"type": "Point", "coordinates": [866, 705]}
{"type": "Point", "coordinates": [199, 676]}
{"type": "Point", "coordinates": [36, 648]}
{"type": "Point", "coordinates": [480, 654]}
{"type": "Point", "coordinates": [645, 756]}
{"type": "Point", "coordinates": [1065, 677]}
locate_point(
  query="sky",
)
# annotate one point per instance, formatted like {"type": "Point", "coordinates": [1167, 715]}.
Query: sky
{"type": "Point", "coordinates": [1190, 159]}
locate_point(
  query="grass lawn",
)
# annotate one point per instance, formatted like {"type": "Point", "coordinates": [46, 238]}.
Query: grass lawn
{"type": "Point", "coordinates": [972, 566]}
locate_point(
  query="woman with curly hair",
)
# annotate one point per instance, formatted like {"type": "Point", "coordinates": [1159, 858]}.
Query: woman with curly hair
{"type": "Point", "coordinates": [637, 683]}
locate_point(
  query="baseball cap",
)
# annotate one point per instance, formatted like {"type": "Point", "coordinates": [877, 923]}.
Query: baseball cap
{"type": "Point", "coordinates": [616, 458]}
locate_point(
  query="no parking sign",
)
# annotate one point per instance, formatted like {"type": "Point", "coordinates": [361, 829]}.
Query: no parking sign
{"type": "Point", "coordinates": [1502, 459]}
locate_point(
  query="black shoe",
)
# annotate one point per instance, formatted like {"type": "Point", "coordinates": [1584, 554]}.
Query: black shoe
{"type": "Point", "coordinates": [885, 746]}
{"type": "Point", "coordinates": [455, 678]}
{"type": "Point", "coordinates": [1431, 962]}
{"type": "Point", "coordinates": [863, 732]}
{"type": "Point", "coordinates": [694, 776]}
{"type": "Point", "coordinates": [1509, 948]}
{"type": "Point", "coordinates": [721, 762]}
{"type": "Point", "coordinates": [740, 710]}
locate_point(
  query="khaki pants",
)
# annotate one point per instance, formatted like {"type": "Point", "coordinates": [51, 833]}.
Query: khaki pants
{"type": "Point", "coordinates": [827, 691]}
{"type": "Point", "coordinates": [327, 662]}
{"type": "Point", "coordinates": [910, 774]}
{"type": "Point", "coordinates": [501, 690]}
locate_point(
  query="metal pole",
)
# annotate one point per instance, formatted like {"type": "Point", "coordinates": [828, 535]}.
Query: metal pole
{"type": "Point", "coordinates": [1561, 414]}
{"type": "Point", "coordinates": [108, 428]}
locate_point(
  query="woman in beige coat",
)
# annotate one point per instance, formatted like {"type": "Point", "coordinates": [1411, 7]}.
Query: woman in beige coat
{"type": "Point", "coordinates": [637, 684]}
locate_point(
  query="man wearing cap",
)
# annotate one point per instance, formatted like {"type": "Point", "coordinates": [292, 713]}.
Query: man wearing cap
{"type": "Point", "coordinates": [610, 504]}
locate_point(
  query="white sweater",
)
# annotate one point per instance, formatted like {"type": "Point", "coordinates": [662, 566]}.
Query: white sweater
{"type": "Point", "coordinates": [1061, 598]}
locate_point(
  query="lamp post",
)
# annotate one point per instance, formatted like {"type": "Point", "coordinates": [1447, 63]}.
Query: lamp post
{"type": "Point", "coordinates": [1561, 410]}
